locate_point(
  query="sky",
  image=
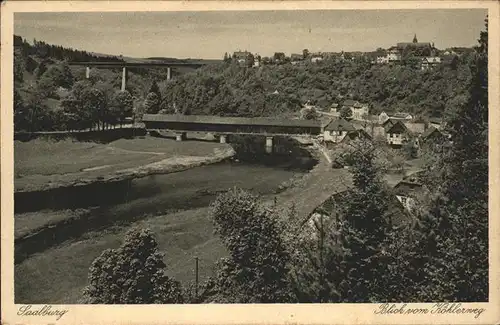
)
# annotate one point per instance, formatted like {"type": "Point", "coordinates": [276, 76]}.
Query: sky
{"type": "Point", "coordinates": [207, 35]}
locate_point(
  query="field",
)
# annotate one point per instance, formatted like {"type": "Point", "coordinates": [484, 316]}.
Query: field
{"type": "Point", "coordinates": [59, 274]}
{"type": "Point", "coordinates": [41, 162]}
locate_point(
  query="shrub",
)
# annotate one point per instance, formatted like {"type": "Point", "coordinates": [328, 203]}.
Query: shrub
{"type": "Point", "coordinates": [134, 273]}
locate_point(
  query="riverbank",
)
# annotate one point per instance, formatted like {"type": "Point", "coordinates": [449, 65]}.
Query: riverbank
{"type": "Point", "coordinates": [42, 165]}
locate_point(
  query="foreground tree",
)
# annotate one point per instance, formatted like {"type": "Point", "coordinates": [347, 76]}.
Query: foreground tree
{"type": "Point", "coordinates": [345, 254]}
{"type": "Point", "coordinates": [451, 249]}
{"type": "Point", "coordinates": [257, 269]}
{"type": "Point", "coordinates": [134, 273]}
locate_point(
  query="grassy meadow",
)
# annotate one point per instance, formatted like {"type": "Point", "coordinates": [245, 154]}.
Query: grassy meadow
{"type": "Point", "coordinates": [40, 162]}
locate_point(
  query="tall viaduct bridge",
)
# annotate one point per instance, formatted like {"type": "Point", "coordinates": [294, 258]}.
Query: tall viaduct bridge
{"type": "Point", "coordinates": [224, 126]}
{"type": "Point", "coordinates": [125, 65]}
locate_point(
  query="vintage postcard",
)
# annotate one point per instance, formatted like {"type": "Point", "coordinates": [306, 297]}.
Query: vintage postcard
{"type": "Point", "coordinates": [250, 162]}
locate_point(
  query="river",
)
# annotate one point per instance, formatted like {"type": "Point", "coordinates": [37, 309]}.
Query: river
{"type": "Point", "coordinates": [173, 206]}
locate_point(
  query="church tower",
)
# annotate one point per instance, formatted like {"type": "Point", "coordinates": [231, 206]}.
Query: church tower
{"type": "Point", "coordinates": [415, 39]}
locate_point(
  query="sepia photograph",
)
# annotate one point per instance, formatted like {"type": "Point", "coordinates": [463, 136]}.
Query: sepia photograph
{"type": "Point", "coordinates": [281, 156]}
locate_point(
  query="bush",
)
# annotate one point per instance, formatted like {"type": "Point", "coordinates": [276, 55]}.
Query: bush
{"type": "Point", "coordinates": [257, 268]}
{"type": "Point", "coordinates": [134, 273]}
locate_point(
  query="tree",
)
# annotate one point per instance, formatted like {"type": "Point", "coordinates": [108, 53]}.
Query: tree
{"type": "Point", "coordinates": [94, 103]}
{"type": "Point", "coordinates": [309, 113]}
{"type": "Point", "coordinates": [305, 53]}
{"type": "Point", "coordinates": [151, 104]}
{"type": "Point", "coordinates": [19, 112]}
{"type": "Point", "coordinates": [59, 75]}
{"type": "Point", "coordinates": [122, 106]}
{"type": "Point", "coordinates": [317, 273]}
{"type": "Point", "coordinates": [249, 60]}
{"type": "Point", "coordinates": [346, 112]}
{"type": "Point", "coordinates": [18, 68]}
{"type": "Point", "coordinates": [452, 238]}
{"type": "Point", "coordinates": [134, 273]}
{"type": "Point", "coordinates": [257, 268]}
{"type": "Point", "coordinates": [363, 229]}
{"type": "Point", "coordinates": [155, 89]}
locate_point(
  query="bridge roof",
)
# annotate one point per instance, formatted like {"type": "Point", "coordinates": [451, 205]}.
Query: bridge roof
{"type": "Point", "coordinates": [209, 119]}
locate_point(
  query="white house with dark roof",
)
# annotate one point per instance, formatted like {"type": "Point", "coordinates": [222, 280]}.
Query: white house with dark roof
{"type": "Point", "coordinates": [396, 132]}
{"type": "Point", "coordinates": [337, 129]}
{"type": "Point", "coordinates": [430, 62]}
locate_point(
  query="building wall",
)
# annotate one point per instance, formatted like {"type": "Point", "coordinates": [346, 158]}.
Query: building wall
{"type": "Point", "coordinates": [358, 113]}
{"type": "Point", "coordinates": [334, 136]}
{"type": "Point", "coordinates": [383, 117]}
{"type": "Point", "coordinates": [407, 202]}
{"type": "Point", "coordinates": [395, 138]}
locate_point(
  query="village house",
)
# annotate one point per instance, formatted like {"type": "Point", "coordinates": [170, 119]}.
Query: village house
{"type": "Point", "coordinates": [393, 55]}
{"type": "Point", "coordinates": [407, 191]}
{"type": "Point", "coordinates": [430, 62]}
{"type": "Point", "coordinates": [432, 138]}
{"type": "Point", "coordinates": [435, 122]}
{"type": "Point", "coordinates": [396, 132]}
{"type": "Point", "coordinates": [296, 58]}
{"type": "Point", "coordinates": [242, 56]}
{"type": "Point", "coordinates": [359, 110]}
{"type": "Point", "coordinates": [316, 58]}
{"type": "Point", "coordinates": [336, 130]}
{"type": "Point", "coordinates": [334, 109]}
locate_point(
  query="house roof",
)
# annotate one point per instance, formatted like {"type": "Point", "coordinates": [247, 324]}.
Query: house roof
{"type": "Point", "coordinates": [395, 126]}
{"type": "Point", "coordinates": [295, 56]}
{"type": "Point", "coordinates": [241, 54]}
{"type": "Point", "coordinates": [334, 105]}
{"type": "Point", "coordinates": [400, 115]}
{"type": "Point", "coordinates": [408, 187]}
{"type": "Point", "coordinates": [405, 44]}
{"type": "Point", "coordinates": [415, 127]}
{"type": "Point", "coordinates": [432, 59]}
{"type": "Point", "coordinates": [395, 211]}
{"type": "Point", "coordinates": [209, 119]}
{"type": "Point", "coordinates": [430, 131]}
{"type": "Point", "coordinates": [435, 120]}
{"type": "Point", "coordinates": [448, 58]}
{"type": "Point", "coordinates": [339, 125]}
{"type": "Point", "coordinates": [352, 135]}
{"type": "Point", "coordinates": [349, 102]}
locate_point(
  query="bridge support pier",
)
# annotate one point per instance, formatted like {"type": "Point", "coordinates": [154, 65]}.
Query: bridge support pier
{"type": "Point", "coordinates": [124, 78]}
{"type": "Point", "coordinates": [223, 138]}
{"type": "Point", "coordinates": [169, 73]}
{"type": "Point", "coordinates": [269, 144]}
{"type": "Point", "coordinates": [180, 136]}
{"type": "Point", "coordinates": [87, 72]}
